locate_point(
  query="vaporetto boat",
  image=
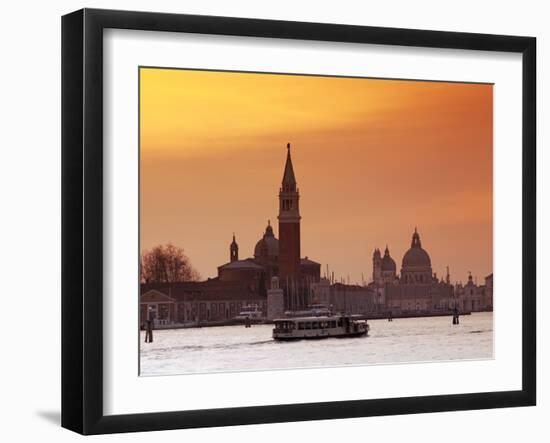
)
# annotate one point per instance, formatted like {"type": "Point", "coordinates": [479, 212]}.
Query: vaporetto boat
{"type": "Point", "coordinates": [317, 327]}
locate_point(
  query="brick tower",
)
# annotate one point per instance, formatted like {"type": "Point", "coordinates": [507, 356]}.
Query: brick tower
{"type": "Point", "coordinates": [289, 224]}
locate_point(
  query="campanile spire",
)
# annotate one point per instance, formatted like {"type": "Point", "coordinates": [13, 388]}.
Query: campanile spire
{"type": "Point", "coordinates": [289, 222]}
{"type": "Point", "coordinates": [289, 179]}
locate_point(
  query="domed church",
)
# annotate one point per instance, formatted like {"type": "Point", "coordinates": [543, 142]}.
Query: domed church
{"type": "Point", "coordinates": [266, 251]}
{"type": "Point", "coordinates": [416, 288]}
{"type": "Point", "coordinates": [416, 266]}
{"type": "Point", "coordinates": [274, 257]}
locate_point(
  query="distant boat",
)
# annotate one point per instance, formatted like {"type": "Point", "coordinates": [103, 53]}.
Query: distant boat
{"type": "Point", "coordinates": [315, 310]}
{"type": "Point", "coordinates": [313, 327]}
{"type": "Point", "coordinates": [250, 312]}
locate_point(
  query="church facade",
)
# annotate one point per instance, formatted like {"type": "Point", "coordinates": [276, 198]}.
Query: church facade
{"type": "Point", "coordinates": [277, 257]}
{"type": "Point", "coordinates": [418, 289]}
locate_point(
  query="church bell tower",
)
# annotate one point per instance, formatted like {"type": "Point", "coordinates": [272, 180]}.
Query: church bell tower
{"type": "Point", "coordinates": [233, 250]}
{"type": "Point", "coordinates": [289, 223]}
{"type": "Point", "coordinates": [377, 266]}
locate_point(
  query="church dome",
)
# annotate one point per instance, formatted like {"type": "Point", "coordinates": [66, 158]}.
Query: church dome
{"type": "Point", "coordinates": [416, 257]}
{"type": "Point", "coordinates": [268, 245]}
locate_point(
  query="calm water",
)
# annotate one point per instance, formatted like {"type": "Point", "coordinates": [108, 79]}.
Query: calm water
{"type": "Point", "coordinates": [236, 348]}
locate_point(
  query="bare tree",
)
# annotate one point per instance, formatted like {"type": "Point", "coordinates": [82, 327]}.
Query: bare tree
{"type": "Point", "coordinates": [166, 264]}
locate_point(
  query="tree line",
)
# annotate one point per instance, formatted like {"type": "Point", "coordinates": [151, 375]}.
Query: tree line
{"type": "Point", "coordinates": [166, 264]}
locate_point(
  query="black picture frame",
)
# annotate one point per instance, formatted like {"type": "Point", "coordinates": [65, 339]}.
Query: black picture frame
{"type": "Point", "coordinates": [82, 218]}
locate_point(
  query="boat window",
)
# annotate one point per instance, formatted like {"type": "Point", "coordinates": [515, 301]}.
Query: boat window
{"type": "Point", "coordinates": [300, 326]}
{"type": "Point", "coordinates": [315, 325]}
{"type": "Point", "coordinates": [339, 322]}
{"type": "Point", "coordinates": [333, 324]}
{"type": "Point", "coordinates": [308, 325]}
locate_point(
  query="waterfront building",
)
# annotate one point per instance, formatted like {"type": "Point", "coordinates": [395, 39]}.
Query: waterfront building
{"type": "Point", "coordinates": [471, 297]}
{"type": "Point", "coordinates": [344, 298]}
{"type": "Point", "coordinates": [172, 304]}
{"type": "Point", "coordinates": [489, 291]}
{"type": "Point", "coordinates": [418, 289]}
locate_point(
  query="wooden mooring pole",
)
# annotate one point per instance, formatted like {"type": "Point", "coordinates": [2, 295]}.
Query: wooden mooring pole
{"type": "Point", "coordinates": [149, 325]}
{"type": "Point", "coordinates": [149, 331]}
{"type": "Point", "coordinates": [456, 317]}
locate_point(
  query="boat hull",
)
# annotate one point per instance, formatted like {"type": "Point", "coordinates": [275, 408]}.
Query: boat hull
{"type": "Point", "coordinates": [320, 337]}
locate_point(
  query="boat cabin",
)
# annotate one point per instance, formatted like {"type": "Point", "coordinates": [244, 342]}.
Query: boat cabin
{"type": "Point", "coordinates": [319, 327]}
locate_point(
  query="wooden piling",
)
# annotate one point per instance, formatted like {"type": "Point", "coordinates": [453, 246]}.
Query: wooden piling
{"type": "Point", "coordinates": [149, 331]}
{"type": "Point", "coordinates": [456, 316]}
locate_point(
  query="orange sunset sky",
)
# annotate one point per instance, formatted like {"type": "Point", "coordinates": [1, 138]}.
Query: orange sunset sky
{"type": "Point", "coordinates": [373, 159]}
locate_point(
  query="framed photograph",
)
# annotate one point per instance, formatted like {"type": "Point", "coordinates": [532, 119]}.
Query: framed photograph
{"type": "Point", "coordinates": [269, 221]}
